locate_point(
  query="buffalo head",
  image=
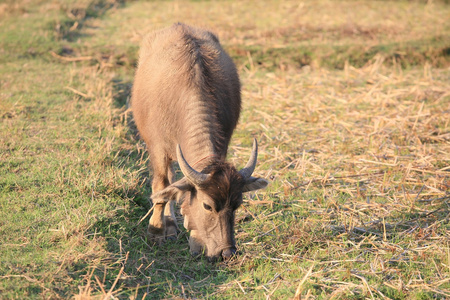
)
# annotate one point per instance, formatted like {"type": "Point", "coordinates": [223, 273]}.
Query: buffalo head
{"type": "Point", "coordinates": [209, 200]}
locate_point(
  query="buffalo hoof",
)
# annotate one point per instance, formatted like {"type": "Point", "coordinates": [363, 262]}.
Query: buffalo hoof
{"type": "Point", "coordinates": [160, 235]}
{"type": "Point", "coordinates": [228, 253]}
{"type": "Point", "coordinates": [156, 239]}
{"type": "Point", "coordinates": [195, 254]}
{"type": "Point", "coordinates": [171, 238]}
{"type": "Point", "coordinates": [171, 231]}
{"type": "Point", "coordinates": [213, 259]}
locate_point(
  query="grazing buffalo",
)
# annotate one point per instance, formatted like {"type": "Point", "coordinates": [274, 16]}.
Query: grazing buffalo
{"type": "Point", "coordinates": [186, 103]}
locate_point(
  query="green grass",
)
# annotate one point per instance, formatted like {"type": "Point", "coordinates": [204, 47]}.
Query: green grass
{"type": "Point", "coordinates": [350, 104]}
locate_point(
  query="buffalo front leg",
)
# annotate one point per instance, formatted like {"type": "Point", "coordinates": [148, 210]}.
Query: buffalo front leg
{"type": "Point", "coordinates": [163, 223]}
{"type": "Point", "coordinates": [156, 226]}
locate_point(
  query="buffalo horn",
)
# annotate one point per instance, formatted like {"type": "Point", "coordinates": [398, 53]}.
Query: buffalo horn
{"type": "Point", "coordinates": [196, 178]}
{"type": "Point", "coordinates": [247, 171]}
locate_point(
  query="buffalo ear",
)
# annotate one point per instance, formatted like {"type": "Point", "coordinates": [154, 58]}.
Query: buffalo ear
{"type": "Point", "coordinates": [254, 183]}
{"type": "Point", "coordinates": [173, 191]}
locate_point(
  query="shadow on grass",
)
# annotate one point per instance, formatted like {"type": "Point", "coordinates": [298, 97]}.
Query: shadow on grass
{"type": "Point", "coordinates": [397, 225]}
{"type": "Point", "coordinates": [160, 271]}
{"type": "Point", "coordinates": [70, 27]}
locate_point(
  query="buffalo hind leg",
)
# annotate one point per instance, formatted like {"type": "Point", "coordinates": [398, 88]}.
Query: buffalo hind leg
{"type": "Point", "coordinates": [170, 221]}
{"type": "Point", "coordinates": [169, 211]}
{"type": "Point", "coordinates": [157, 226]}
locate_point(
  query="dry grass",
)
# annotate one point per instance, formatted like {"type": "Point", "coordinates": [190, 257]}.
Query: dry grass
{"type": "Point", "coordinates": [282, 23]}
{"type": "Point", "coordinates": [364, 155]}
{"type": "Point", "coordinates": [292, 34]}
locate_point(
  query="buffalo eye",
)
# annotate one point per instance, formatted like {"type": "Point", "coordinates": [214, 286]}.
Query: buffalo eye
{"type": "Point", "coordinates": [207, 207]}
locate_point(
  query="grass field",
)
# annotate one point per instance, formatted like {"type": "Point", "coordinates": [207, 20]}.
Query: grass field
{"type": "Point", "coordinates": [350, 102]}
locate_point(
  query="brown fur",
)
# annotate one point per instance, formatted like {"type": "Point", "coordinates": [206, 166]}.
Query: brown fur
{"type": "Point", "coordinates": [225, 186]}
{"type": "Point", "coordinates": [186, 92]}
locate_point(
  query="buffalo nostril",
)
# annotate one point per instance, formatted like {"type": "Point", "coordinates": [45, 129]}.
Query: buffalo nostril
{"type": "Point", "coordinates": [228, 253]}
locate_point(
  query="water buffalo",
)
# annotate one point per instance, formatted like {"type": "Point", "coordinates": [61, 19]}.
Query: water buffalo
{"type": "Point", "coordinates": [186, 103]}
